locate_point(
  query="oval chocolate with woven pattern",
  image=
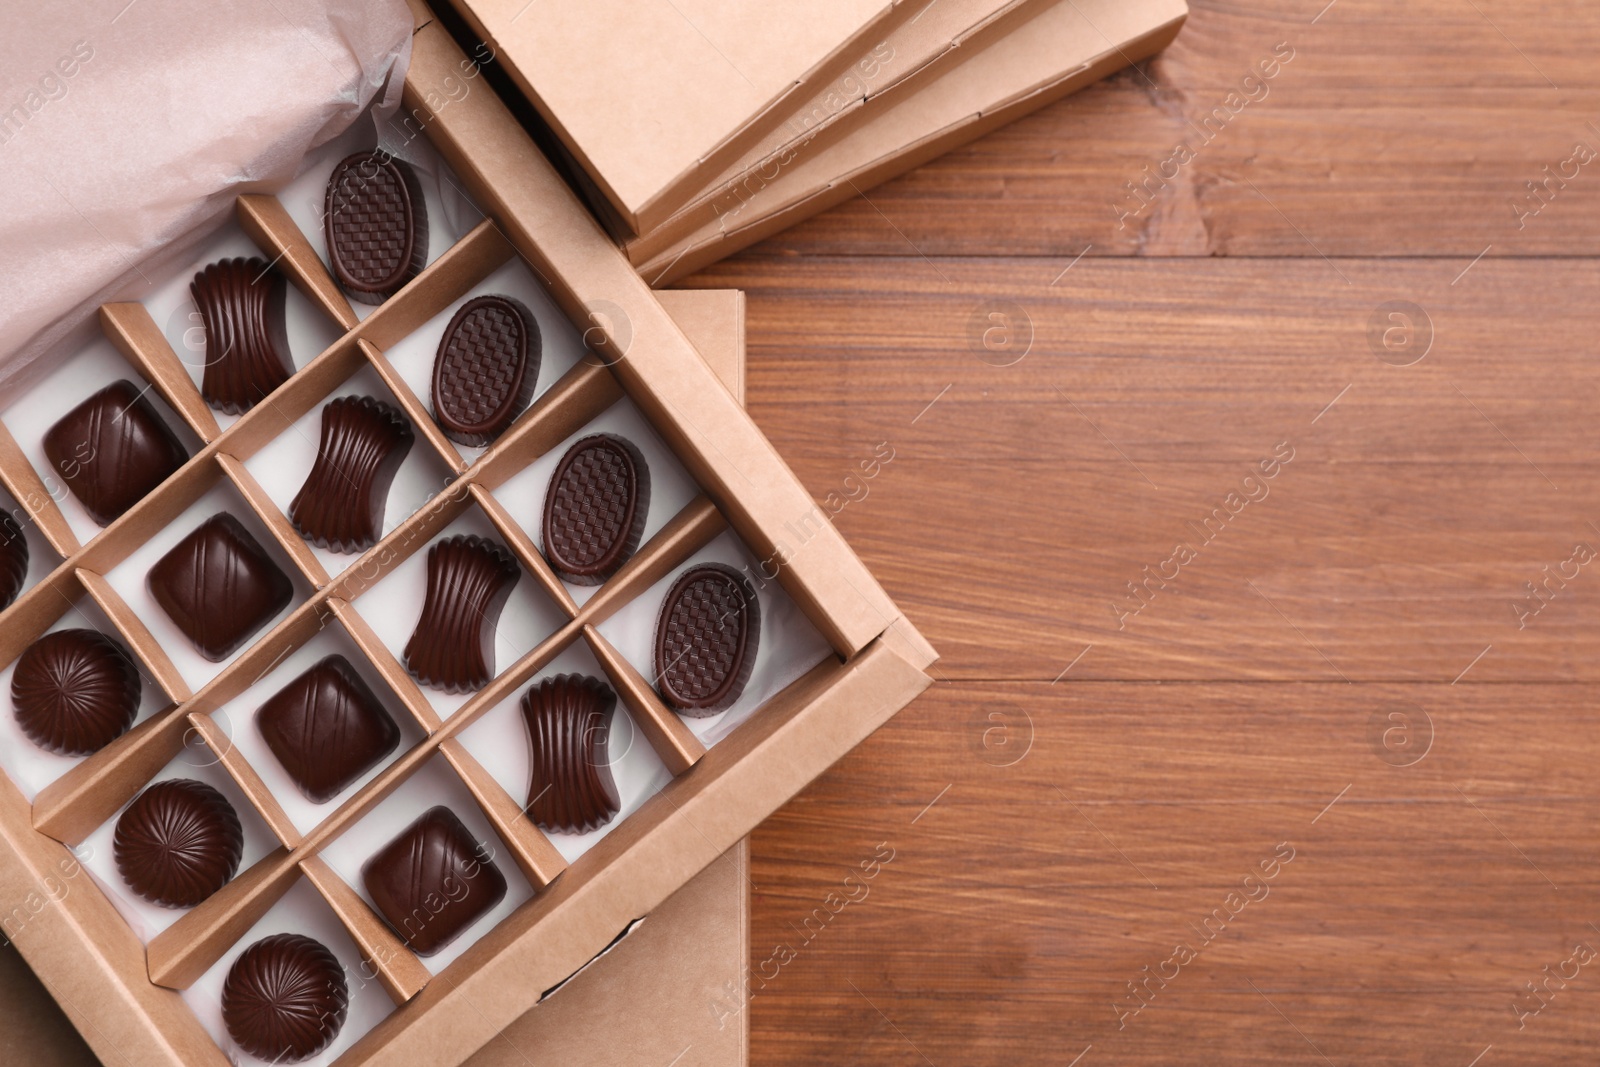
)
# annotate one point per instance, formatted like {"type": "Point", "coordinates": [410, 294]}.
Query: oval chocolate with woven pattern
{"type": "Point", "coordinates": [486, 369]}
{"type": "Point", "coordinates": [594, 512]}
{"type": "Point", "coordinates": [13, 560]}
{"type": "Point", "coordinates": [178, 842]}
{"type": "Point", "coordinates": [75, 691]}
{"type": "Point", "coordinates": [706, 639]}
{"type": "Point", "coordinates": [285, 998]}
{"type": "Point", "coordinates": [241, 305]}
{"type": "Point", "coordinates": [376, 224]}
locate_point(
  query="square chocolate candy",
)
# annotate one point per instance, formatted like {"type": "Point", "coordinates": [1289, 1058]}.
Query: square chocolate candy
{"type": "Point", "coordinates": [433, 881]}
{"type": "Point", "coordinates": [219, 586]}
{"type": "Point", "coordinates": [327, 728]}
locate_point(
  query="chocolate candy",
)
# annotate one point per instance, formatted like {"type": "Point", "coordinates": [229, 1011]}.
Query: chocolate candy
{"type": "Point", "coordinates": [469, 581]}
{"type": "Point", "coordinates": [706, 639]}
{"type": "Point", "coordinates": [327, 728]}
{"type": "Point", "coordinates": [376, 223]}
{"type": "Point", "coordinates": [285, 998]}
{"type": "Point", "coordinates": [340, 506]}
{"type": "Point", "coordinates": [178, 842]}
{"type": "Point", "coordinates": [75, 691]}
{"type": "Point", "coordinates": [595, 510]}
{"type": "Point", "coordinates": [241, 304]}
{"type": "Point", "coordinates": [112, 449]}
{"type": "Point", "coordinates": [569, 729]}
{"type": "Point", "coordinates": [13, 560]}
{"type": "Point", "coordinates": [486, 369]}
{"type": "Point", "coordinates": [219, 586]}
{"type": "Point", "coordinates": [433, 881]}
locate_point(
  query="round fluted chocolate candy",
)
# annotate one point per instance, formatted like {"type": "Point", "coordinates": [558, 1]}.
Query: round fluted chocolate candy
{"type": "Point", "coordinates": [595, 511]}
{"type": "Point", "coordinates": [13, 560]}
{"type": "Point", "coordinates": [178, 842]}
{"type": "Point", "coordinates": [285, 998]}
{"type": "Point", "coordinates": [75, 691]}
{"type": "Point", "coordinates": [706, 639]}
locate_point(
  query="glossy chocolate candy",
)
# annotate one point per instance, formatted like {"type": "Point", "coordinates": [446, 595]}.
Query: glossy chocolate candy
{"type": "Point", "coordinates": [285, 998]}
{"type": "Point", "coordinates": [469, 581]}
{"type": "Point", "coordinates": [112, 449]}
{"type": "Point", "coordinates": [375, 221]}
{"type": "Point", "coordinates": [706, 639]}
{"type": "Point", "coordinates": [486, 369]}
{"type": "Point", "coordinates": [340, 507]}
{"type": "Point", "coordinates": [327, 728]}
{"type": "Point", "coordinates": [219, 586]}
{"type": "Point", "coordinates": [595, 509]}
{"type": "Point", "coordinates": [433, 881]}
{"type": "Point", "coordinates": [241, 304]}
{"type": "Point", "coordinates": [569, 730]}
{"type": "Point", "coordinates": [13, 560]}
{"type": "Point", "coordinates": [75, 691]}
{"type": "Point", "coordinates": [178, 842]}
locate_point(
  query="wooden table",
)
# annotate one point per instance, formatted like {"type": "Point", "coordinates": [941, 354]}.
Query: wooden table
{"type": "Point", "coordinates": [1347, 666]}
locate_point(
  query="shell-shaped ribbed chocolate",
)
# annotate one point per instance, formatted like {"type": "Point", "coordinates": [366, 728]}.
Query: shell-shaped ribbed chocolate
{"type": "Point", "coordinates": [486, 369]}
{"type": "Point", "coordinates": [219, 586]}
{"type": "Point", "coordinates": [376, 224]}
{"type": "Point", "coordinates": [178, 842]}
{"type": "Point", "coordinates": [341, 504]}
{"type": "Point", "coordinates": [706, 639]}
{"type": "Point", "coordinates": [569, 728]}
{"type": "Point", "coordinates": [13, 560]}
{"type": "Point", "coordinates": [595, 510]}
{"type": "Point", "coordinates": [327, 728]}
{"type": "Point", "coordinates": [469, 581]}
{"type": "Point", "coordinates": [75, 691]}
{"type": "Point", "coordinates": [285, 998]}
{"type": "Point", "coordinates": [112, 449]}
{"type": "Point", "coordinates": [433, 881]}
{"type": "Point", "coordinates": [241, 303]}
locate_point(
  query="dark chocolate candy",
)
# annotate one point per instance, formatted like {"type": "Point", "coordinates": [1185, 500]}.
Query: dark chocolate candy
{"type": "Point", "coordinates": [433, 881]}
{"type": "Point", "coordinates": [486, 369]}
{"type": "Point", "coordinates": [178, 842]}
{"type": "Point", "coordinates": [327, 728]}
{"type": "Point", "coordinates": [595, 510]}
{"type": "Point", "coordinates": [75, 691]}
{"type": "Point", "coordinates": [285, 998]}
{"type": "Point", "coordinates": [219, 586]}
{"type": "Point", "coordinates": [13, 560]}
{"type": "Point", "coordinates": [112, 449]}
{"type": "Point", "coordinates": [241, 303]}
{"type": "Point", "coordinates": [340, 506]}
{"type": "Point", "coordinates": [469, 581]}
{"type": "Point", "coordinates": [706, 639]}
{"type": "Point", "coordinates": [569, 729]}
{"type": "Point", "coordinates": [376, 224]}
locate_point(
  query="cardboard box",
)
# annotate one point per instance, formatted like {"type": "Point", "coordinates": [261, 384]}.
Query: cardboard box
{"type": "Point", "coordinates": [120, 984]}
{"type": "Point", "coordinates": [1063, 46]}
{"type": "Point", "coordinates": [652, 95]}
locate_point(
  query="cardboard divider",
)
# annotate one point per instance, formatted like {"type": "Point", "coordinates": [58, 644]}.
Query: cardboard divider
{"type": "Point", "coordinates": [71, 807]}
{"type": "Point", "coordinates": [510, 680]}
{"type": "Point", "coordinates": [525, 550]}
{"type": "Point", "coordinates": [565, 408]}
{"type": "Point", "coordinates": [35, 611]}
{"type": "Point", "coordinates": [396, 967]}
{"type": "Point", "coordinates": [688, 531]}
{"type": "Point", "coordinates": [276, 522]}
{"type": "Point", "coordinates": [532, 851]}
{"type": "Point", "coordinates": [28, 489]}
{"type": "Point", "coordinates": [185, 950]}
{"type": "Point", "coordinates": [135, 334]}
{"type": "Point", "coordinates": [136, 635]}
{"type": "Point", "coordinates": [672, 739]}
{"type": "Point", "coordinates": [245, 776]}
{"type": "Point", "coordinates": [269, 649]}
{"type": "Point", "coordinates": [422, 420]}
{"type": "Point", "coordinates": [442, 282]}
{"type": "Point", "coordinates": [393, 671]}
{"type": "Point", "coordinates": [402, 542]}
{"type": "Point", "coordinates": [264, 221]}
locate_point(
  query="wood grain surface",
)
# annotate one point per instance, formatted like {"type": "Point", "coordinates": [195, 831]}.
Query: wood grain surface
{"type": "Point", "coordinates": [1379, 661]}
